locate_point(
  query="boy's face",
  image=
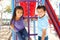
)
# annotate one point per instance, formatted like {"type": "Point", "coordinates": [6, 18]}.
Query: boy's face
{"type": "Point", "coordinates": [41, 12]}
{"type": "Point", "coordinates": [19, 13]}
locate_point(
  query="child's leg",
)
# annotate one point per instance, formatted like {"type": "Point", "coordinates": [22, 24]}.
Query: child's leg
{"type": "Point", "coordinates": [25, 34]}
{"type": "Point", "coordinates": [13, 35]}
{"type": "Point", "coordinates": [39, 38]}
{"type": "Point", "coordinates": [19, 36]}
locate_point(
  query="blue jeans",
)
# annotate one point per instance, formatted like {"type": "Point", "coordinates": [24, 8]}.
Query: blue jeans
{"type": "Point", "coordinates": [22, 34]}
{"type": "Point", "coordinates": [39, 38]}
{"type": "Point", "coordinates": [13, 35]}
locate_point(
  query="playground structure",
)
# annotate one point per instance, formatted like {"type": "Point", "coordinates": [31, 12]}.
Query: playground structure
{"type": "Point", "coordinates": [29, 13]}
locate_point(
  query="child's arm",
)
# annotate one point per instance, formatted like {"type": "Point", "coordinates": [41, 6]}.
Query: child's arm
{"type": "Point", "coordinates": [12, 26]}
{"type": "Point", "coordinates": [34, 19]}
{"type": "Point", "coordinates": [43, 34]}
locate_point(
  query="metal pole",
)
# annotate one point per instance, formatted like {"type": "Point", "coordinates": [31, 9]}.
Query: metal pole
{"type": "Point", "coordinates": [14, 37]}
{"type": "Point", "coordinates": [28, 20]}
{"type": "Point", "coordinates": [34, 29]}
{"type": "Point", "coordinates": [43, 2]}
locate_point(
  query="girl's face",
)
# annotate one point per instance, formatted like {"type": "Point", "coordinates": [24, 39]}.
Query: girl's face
{"type": "Point", "coordinates": [19, 13]}
{"type": "Point", "coordinates": [41, 12]}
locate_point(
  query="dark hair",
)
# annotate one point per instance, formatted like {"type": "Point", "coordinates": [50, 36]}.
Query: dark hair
{"type": "Point", "coordinates": [14, 13]}
{"type": "Point", "coordinates": [42, 6]}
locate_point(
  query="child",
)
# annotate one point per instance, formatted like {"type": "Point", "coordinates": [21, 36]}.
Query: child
{"type": "Point", "coordinates": [42, 23]}
{"type": "Point", "coordinates": [17, 23]}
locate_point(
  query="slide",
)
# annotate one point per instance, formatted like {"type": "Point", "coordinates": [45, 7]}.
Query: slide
{"type": "Point", "coordinates": [53, 16]}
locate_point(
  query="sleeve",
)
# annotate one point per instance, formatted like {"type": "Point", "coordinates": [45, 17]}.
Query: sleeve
{"type": "Point", "coordinates": [12, 22]}
{"type": "Point", "coordinates": [46, 25]}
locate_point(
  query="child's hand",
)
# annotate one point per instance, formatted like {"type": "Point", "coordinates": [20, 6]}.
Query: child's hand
{"type": "Point", "coordinates": [12, 26]}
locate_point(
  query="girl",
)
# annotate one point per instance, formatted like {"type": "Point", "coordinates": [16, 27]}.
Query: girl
{"type": "Point", "coordinates": [17, 23]}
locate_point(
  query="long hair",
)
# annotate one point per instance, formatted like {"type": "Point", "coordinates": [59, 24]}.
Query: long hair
{"type": "Point", "coordinates": [14, 13]}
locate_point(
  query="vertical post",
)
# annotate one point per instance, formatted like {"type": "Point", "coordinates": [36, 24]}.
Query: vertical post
{"type": "Point", "coordinates": [34, 30]}
{"type": "Point", "coordinates": [28, 19]}
{"type": "Point", "coordinates": [43, 2]}
{"type": "Point", "coordinates": [38, 2]}
{"type": "Point", "coordinates": [12, 5]}
{"type": "Point", "coordinates": [13, 33]}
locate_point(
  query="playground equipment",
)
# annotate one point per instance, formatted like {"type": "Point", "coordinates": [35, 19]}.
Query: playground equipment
{"type": "Point", "coordinates": [53, 17]}
{"type": "Point", "coordinates": [29, 12]}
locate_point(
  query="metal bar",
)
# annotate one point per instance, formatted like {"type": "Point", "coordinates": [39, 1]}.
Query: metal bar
{"type": "Point", "coordinates": [33, 34]}
{"type": "Point", "coordinates": [52, 18]}
{"type": "Point", "coordinates": [52, 10]}
{"type": "Point", "coordinates": [38, 2]}
{"type": "Point", "coordinates": [34, 30]}
{"type": "Point", "coordinates": [43, 2]}
{"type": "Point", "coordinates": [27, 1]}
{"type": "Point", "coordinates": [28, 21]}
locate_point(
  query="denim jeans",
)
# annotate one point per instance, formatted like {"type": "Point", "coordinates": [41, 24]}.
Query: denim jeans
{"type": "Point", "coordinates": [22, 34]}
{"type": "Point", "coordinates": [13, 35]}
{"type": "Point", "coordinates": [39, 38]}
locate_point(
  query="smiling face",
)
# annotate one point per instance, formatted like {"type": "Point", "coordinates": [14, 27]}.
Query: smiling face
{"type": "Point", "coordinates": [41, 12]}
{"type": "Point", "coordinates": [19, 13]}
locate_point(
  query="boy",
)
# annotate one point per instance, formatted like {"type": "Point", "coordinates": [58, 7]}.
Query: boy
{"type": "Point", "coordinates": [42, 23]}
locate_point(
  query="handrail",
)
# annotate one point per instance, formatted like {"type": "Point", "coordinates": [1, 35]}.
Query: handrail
{"type": "Point", "coordinates": [52, 16]}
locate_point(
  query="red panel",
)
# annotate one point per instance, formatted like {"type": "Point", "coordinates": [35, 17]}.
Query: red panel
{"type": "Point", "coordinates": [24, 5]}
{"type": "Point", "coordinates": [32, 8]}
